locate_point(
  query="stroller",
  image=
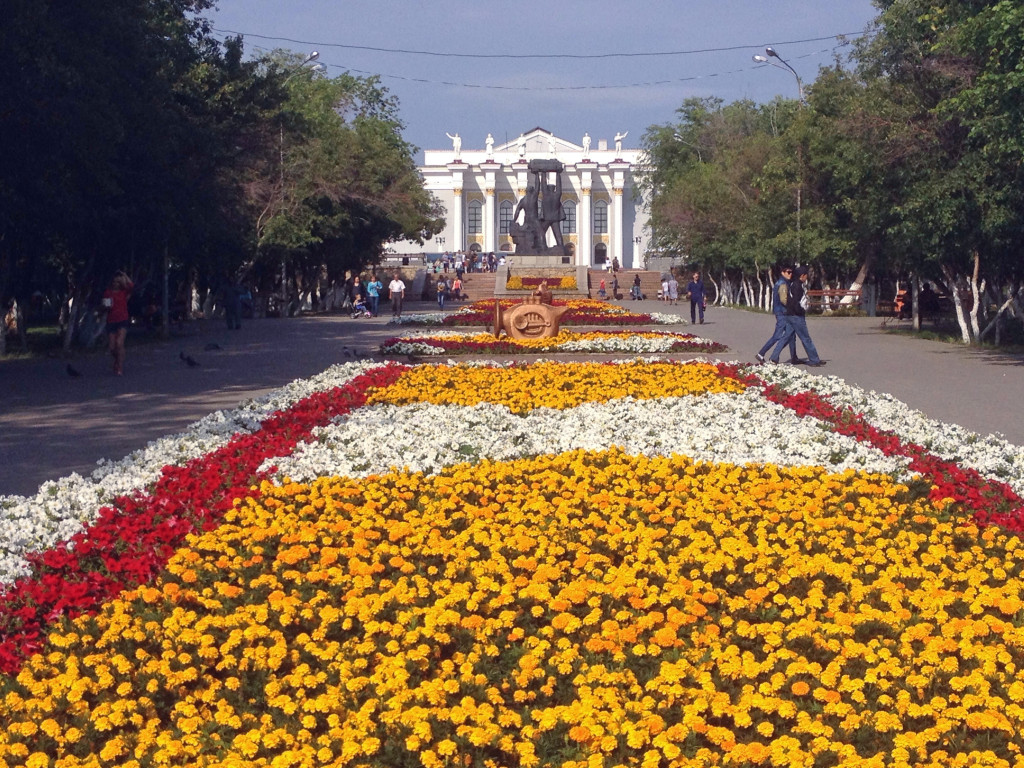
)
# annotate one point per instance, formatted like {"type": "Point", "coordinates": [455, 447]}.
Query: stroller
{"type": "Point", "coordinates": [360, 308]}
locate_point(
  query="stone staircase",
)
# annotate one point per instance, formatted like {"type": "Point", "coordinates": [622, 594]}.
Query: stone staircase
{"type": "Point", "coordinates": [480, 285]}
{"type": "Point", "coordinates": [650, 282]}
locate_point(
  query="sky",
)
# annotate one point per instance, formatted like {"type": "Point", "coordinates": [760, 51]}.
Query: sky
{"type": "Point", "coordinates": [571, 66]}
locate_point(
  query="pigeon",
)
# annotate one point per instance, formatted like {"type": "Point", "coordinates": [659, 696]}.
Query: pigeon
{"type": "Point", "coordinates": [346, 352]}
{"type": "Point", "coordinates": [212, 347]}
{"type": "Point", "coordinates": [73, 372]}
{"type": "Point", "coordinates": [191, 361]}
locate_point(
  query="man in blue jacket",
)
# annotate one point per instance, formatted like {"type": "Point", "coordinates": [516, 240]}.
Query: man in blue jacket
{"type": "Point", "coordinates": [796, 319]}
{"type": "Point", "coordinates": [780, 292]}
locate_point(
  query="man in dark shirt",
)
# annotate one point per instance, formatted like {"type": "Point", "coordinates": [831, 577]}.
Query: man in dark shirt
{"type": "Point", "coordinates": [695, 290]}
{"type": "Point", "coordinates": [780, 292]}
{"type": "Point", "coordinates": [796, 306]}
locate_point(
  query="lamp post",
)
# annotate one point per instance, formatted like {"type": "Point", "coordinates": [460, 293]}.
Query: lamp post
{"type": "Point", "coordinates": [695, 148]}
{"type": "Point", "coordinates": [312, 56]}
{"type": "Point", "coordinates": [773, 54]}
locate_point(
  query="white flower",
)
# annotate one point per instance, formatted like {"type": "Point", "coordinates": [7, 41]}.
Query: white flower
{"type": "Point", "coordinates": [417, 343]}
{"type": "Point", "coordinates": [421, 437]}
{"type": "Point", "coordinates": [61, 508]}
{"type": "Point", "coordinates": [992, 455]}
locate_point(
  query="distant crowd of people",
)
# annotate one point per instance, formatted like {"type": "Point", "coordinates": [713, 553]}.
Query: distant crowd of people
{"type": "Point", "coordinates": [462, 262]}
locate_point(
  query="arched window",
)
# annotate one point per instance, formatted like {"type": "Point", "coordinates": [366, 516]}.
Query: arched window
{"type": "Point", "coordinates": [474, 218]}
{"type": "Point", "coordinates": [600, 253]}
{"type": "Point", "coordinates": [600, 217]}
{"type": "Point", "coordinates": [504, 217]}
{"type": "Point", "coordinates": [569, 222]}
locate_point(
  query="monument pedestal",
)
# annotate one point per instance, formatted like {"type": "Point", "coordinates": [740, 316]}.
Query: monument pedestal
{"type": "Point", "coordinates": [540, 260]}
{"type": "Point", "coordinates": [547, 266]}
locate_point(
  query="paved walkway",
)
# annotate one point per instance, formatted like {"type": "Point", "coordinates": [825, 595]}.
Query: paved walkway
{"type": "Point", "coordinates": [52, 424]}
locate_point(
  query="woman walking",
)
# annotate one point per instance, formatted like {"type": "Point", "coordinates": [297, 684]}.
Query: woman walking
{"type": "Point", "coordinates": [115, 301]}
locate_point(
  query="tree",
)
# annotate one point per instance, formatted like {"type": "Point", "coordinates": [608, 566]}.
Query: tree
{"type": "Point", "coordinates": [959, 199]}
{"type": "Point", "coordinates": [345, 182]}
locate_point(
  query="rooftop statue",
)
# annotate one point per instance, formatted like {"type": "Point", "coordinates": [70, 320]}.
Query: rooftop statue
{"type": "Point", "coordinates": [456, 144]}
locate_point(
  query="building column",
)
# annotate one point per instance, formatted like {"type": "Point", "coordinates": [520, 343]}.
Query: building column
{"type": "Point", "coordinates": [458, 227]}
{"type": "Point", "coordinates": [584, 222]}
{"type": "Point", "coordinates": [615, 229]}
{"type": "Point", "coordinates": [489, 222]}
{"type": "Point", "coordinates": [585, 227]}
{"type": "Point", "coordinates": [458, 221]}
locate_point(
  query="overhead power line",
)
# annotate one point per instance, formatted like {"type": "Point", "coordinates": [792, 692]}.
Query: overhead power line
{"type": "Point", "coordinates": [590, 87]}
{"type": "Point", "coordinates": [453, 54]}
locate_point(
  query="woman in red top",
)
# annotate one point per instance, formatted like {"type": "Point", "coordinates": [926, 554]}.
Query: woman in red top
{"type": "Point", "coordinates": [115, 300]}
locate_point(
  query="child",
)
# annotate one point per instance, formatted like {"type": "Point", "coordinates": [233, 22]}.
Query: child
{"type": "Point", "coordinates": [601, 291]}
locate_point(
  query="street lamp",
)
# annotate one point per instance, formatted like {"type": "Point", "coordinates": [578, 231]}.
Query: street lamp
{"type": "Point", "coordinates": [693, 146]}
{"type": "Point", "coordinates": [773, 54]}
{"type": "Point", "coordinates": [301, 67]}
{"type": "Point", "coordinates": [440, 241]}
{"type": "Point", "coordinates": [313, 56]}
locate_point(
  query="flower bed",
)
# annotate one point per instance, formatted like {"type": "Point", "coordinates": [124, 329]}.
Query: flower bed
{"type": "Point", "coordinates": [636, 563]}
{"type": "Point", "coordinates": [521, 283]}
{"type": "Point", "coordinates": [581, 312]}
{"type": "Point", "coordinates": [454, 343]}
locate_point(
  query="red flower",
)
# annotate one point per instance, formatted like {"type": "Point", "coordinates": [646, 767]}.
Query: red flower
{"type": "Point", "coordinates": [990, 502]}
{"type": "Point", "coordinates": [131, 540]}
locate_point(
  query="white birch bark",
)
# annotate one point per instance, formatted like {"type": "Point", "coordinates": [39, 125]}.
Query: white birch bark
{"type": "Point", "coordinates": [1006, 307]}
{"type": "Point", "coordinates": [976, 295]}
{"type": "Point", "coordinates": [858, 281]}
{"type": "Point", "coordinates": [961, 318]}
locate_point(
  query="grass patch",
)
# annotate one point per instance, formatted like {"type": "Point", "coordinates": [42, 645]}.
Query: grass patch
{"type": "Point", "coordinates": [1012, 343]}
{"type": "Point", "coordinates": [47, 341]}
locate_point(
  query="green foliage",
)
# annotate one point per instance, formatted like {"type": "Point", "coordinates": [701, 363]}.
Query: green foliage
{"type": "Point", "coordinates": [910, 163]}
{"type": "Point", "coordinates": [345, 181]}
{"type": "Point", "coordinates": [135, 140]}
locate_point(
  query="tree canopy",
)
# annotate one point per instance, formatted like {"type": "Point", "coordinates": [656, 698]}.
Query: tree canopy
{"type": "Point", "coordinates": [133, 139]}
{"type": "Point", "coordinates": [904, 162]}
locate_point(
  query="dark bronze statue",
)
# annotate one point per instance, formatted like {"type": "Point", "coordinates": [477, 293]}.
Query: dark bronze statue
{"type": "Point", "coordinates": [530, 235]}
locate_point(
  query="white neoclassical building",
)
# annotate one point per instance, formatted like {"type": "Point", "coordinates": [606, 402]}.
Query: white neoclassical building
{"type": "Point", "coordinates": [481, 187]}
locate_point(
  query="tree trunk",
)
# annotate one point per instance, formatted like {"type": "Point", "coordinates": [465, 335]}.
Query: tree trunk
{"type": "Point", "coordinates": [915, 294]}
{"type": "Point", "coordinates": [976, 296]}
{"type": "Point", "coordinates": [961, 317]}
{"type": "Point", "coordinates": [1006, 306]}
{"type": "Point", "coordinates": [194, 308]}
{"type": "Point", "coordinates": [209, 303]}
{"type": "Point", "coordinates": [73, 310]}
{"type": "Point", "coordinates": [165, 309]}
{"type": "Point", "coordinates": [858, 282]}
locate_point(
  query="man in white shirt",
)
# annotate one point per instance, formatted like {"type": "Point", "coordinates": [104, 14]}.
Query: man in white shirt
{"type": "Point", "coordinates": [397, 289]}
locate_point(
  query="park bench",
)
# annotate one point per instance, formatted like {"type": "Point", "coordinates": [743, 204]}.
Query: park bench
{"type": "Point", "coordinates": [831, 298]}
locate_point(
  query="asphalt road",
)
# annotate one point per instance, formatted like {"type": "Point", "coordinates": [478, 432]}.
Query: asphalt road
{"type": "Point", "coordinates": [52, 424]}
